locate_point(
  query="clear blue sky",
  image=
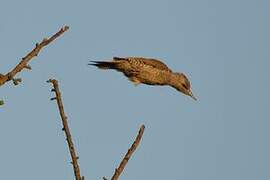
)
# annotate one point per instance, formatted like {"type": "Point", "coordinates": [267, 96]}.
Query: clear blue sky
{"type": "Point", "coordinates": [223, 47]}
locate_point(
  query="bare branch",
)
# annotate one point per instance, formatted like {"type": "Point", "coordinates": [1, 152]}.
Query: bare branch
{"type": "Point", "coordinates": [131, 150]}
{"type": "Point", "coordinates": [71, 147]}
{"type": "Point", "coordinates": [25, 60]}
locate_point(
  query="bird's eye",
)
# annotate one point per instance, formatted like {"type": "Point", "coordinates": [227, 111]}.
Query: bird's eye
{"type": "Point", "coordinates": [185, 86]}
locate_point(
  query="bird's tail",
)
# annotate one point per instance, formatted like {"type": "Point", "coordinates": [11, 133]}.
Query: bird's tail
{"type": "Point", "coordinates": [104, 64]}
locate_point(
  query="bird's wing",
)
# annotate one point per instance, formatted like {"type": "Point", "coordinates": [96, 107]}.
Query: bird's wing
{"type": "Point", "coordinates": [156, 64]}
{"type": "Point", "coordinates": [147, 61]}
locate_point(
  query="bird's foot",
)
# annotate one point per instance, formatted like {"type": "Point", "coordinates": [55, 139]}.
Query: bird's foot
{"type": "Point", "coordinates": [134, 80]}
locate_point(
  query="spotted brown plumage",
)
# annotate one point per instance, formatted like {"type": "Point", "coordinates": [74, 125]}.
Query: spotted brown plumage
{"type": "Point", "coordinates": [147, 71]}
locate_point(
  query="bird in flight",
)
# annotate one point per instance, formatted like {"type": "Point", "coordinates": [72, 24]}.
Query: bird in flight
{"type": "Point", "coordinates": [147, 71]}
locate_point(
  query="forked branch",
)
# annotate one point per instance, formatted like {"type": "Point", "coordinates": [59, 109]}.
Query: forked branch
{"type": "Point", "coordinates": [23, 64]}
{"type": "Point", "coordinates": [71, 147]}
{"type": "Point", "coordinates": [25, 60]}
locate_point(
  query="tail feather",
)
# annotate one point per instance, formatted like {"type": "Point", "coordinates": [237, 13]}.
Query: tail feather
{"type": "Point", "coordinates": [103, 64]}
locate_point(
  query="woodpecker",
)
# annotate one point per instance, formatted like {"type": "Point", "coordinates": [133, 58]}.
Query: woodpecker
{"type": "Point", "coordinates": [140, 70]}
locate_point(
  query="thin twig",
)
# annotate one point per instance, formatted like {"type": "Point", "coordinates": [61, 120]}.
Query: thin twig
{"type": "Point", "coordinates": [131, 150]}
{"type": "Point", "coordinates": [71, 147]}
{"type": "Point", "coordinates": [24, 62]}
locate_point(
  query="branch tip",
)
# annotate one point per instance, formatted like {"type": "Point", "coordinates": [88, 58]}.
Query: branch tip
{"type": "Point", "coordinates": [28, 67]}
{"type": "Point", "coordinates": [129, 153]}
{"type": "Point", "coordinates": [16, 81]}
{"type": "Point", "coordinates": [65, 28]}
{"type": "Point", "coordinates": [54, 98]}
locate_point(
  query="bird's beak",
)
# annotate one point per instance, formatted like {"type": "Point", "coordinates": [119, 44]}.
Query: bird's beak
{"type": "Point", "coordinates": [191, 95]}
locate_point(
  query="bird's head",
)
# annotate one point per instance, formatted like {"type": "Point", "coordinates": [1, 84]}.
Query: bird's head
{"type": "Point", "coordinates": [182, 84]}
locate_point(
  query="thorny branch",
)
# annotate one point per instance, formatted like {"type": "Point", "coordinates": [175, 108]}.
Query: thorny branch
{"type": "Point", "coordinates": [131, 150]}
{"type": "Point", "coordinates": [25, 60]}
{"type": "Point", "coordinates": [71, 147]}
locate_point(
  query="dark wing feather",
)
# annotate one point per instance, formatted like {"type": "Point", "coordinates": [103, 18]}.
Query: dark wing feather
{"type": "Point", "coordinates": [147, 61]}
{"type": "Point", "coordinates": [119, 59]}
